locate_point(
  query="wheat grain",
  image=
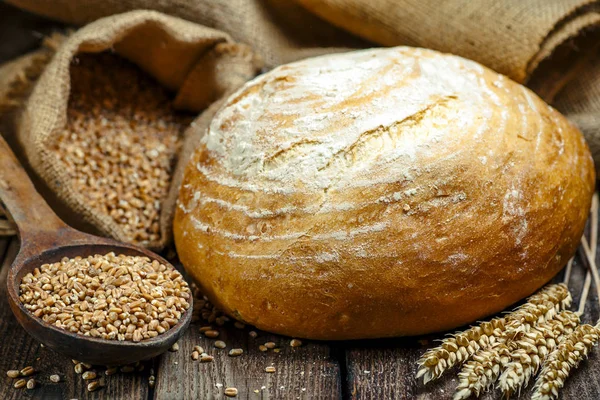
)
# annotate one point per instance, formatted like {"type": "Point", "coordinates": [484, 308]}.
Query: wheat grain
{"type": "Point", "coordinates": [533, 348]}
{"type": "Point", "coordinates": [459, 348]}
{"type": "Point", "coordinates": [567, 356]}
{"type": "Point", "coordinates": [576, 345]}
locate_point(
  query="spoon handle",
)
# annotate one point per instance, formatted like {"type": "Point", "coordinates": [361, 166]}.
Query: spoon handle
{"type": "Point", "coordinates": [23, 203]}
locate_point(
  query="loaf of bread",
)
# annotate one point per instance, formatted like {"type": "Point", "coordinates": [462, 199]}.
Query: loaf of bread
{"type": "Point", "coordinates": [378, 193]}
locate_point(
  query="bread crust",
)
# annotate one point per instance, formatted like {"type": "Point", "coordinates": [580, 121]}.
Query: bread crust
{"type": "Point", "coordinates": [380, 193]}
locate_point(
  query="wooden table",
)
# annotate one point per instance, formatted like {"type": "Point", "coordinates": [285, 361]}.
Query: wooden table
{"type": "Point", "coordinates": [376, 369]}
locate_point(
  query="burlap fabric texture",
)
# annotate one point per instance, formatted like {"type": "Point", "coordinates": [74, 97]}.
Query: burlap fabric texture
{"type": "Point", "coordinates": [511, 36]}
{"type": "Point", "coordinates": [280, 31]}
{"type": "Point", "coordinates": [201, 65]}
{"type": "Point", "coordinates": [17, 78]}
{"type": "Point", "coordinates": [579, 100]}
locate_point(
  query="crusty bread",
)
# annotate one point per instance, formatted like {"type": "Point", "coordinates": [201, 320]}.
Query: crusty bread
{"type": "Point", "coordinates": [380, 193]}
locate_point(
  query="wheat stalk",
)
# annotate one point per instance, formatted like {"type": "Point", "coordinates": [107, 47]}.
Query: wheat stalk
{"type": "Point", "coordinates": [566, 357]}
{"type": "Point", "coordinates": [528, 337]}
{"type": "Point", "coordinates": [459, 348]}
{"type": "Point", "coordinates": [594, 242]}
{"type": "Point", "coordinates": [533, 348]}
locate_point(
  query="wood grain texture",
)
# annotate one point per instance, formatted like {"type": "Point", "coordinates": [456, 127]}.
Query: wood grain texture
{"type": "Point", "coordinates": [19, 350]}
{"type": "Point", "coordinates": [386, 369]}
{"type": "Point", "coordinates": [308, 372]}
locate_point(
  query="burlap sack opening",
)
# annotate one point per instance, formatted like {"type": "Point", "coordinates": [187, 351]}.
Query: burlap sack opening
{"type": "Point", "coordinates": [280, 31]}
{"type": "Point", "coordinates": [199, 64]}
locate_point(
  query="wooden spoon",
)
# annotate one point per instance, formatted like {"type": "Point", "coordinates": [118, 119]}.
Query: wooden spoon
{"type": "Point", "coordinates": [46, 239]}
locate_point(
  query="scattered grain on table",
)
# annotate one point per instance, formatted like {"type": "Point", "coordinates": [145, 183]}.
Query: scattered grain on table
{"type": "Point", "coordinates": [19, 384]}
{"type": "Point", "coordinates": [27, 371]}
{"type": "Point", "coordinates": [236, 352]}
{"type": "Point", "coordinates": [13, 373]}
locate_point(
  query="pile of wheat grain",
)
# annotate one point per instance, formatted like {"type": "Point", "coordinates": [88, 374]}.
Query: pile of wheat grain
{"type": "Point", "coordinates": [120, 143]}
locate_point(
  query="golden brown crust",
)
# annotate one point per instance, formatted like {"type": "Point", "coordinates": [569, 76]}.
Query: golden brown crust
{"type": "Point", "coordinates": [381, 193]}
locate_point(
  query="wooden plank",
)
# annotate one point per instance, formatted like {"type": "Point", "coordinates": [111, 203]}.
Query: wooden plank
{"type": "Point", "coordinates": [18, 350]}
{"type": "Point", "coordinates": [307, 372]}
{"type": "Point", "coordinates": [386, 368]}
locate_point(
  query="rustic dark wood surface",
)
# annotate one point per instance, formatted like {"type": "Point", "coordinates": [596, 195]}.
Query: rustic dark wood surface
{"type": "Point", "coordinates": [377, 369]}
{"type": "Point", "coordinates": [374, 369]}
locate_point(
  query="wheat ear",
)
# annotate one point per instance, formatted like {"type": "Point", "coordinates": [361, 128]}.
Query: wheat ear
{"type": "Point", "coordinates": [576, 345]}
{"type": "Point", "coordinates": [533, 348]}
{"type": "Point", "coordinates": [540, 307]}
{"type": "Point", "coordinates": [459, 348]}
{"type": "Point", "coordinates": [567, 356]}
{"type": "Point", "coordinates": [483, 370]}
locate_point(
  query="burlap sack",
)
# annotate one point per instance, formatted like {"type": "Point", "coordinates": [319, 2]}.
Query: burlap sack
{"type": "Point", "coordinates": [579, 100]}
{"type": "Point", "coordinates": [278, 30]}
{"type": "Point", "coordinates": [200, 64]}
{"type": "Point", "coordinates": [511, 36]}
{"type": "Point", "coordinates": [17, 79]}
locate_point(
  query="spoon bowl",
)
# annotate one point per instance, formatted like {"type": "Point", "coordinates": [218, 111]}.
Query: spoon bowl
{"type": "Point", "coordinates": [46, 239]}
